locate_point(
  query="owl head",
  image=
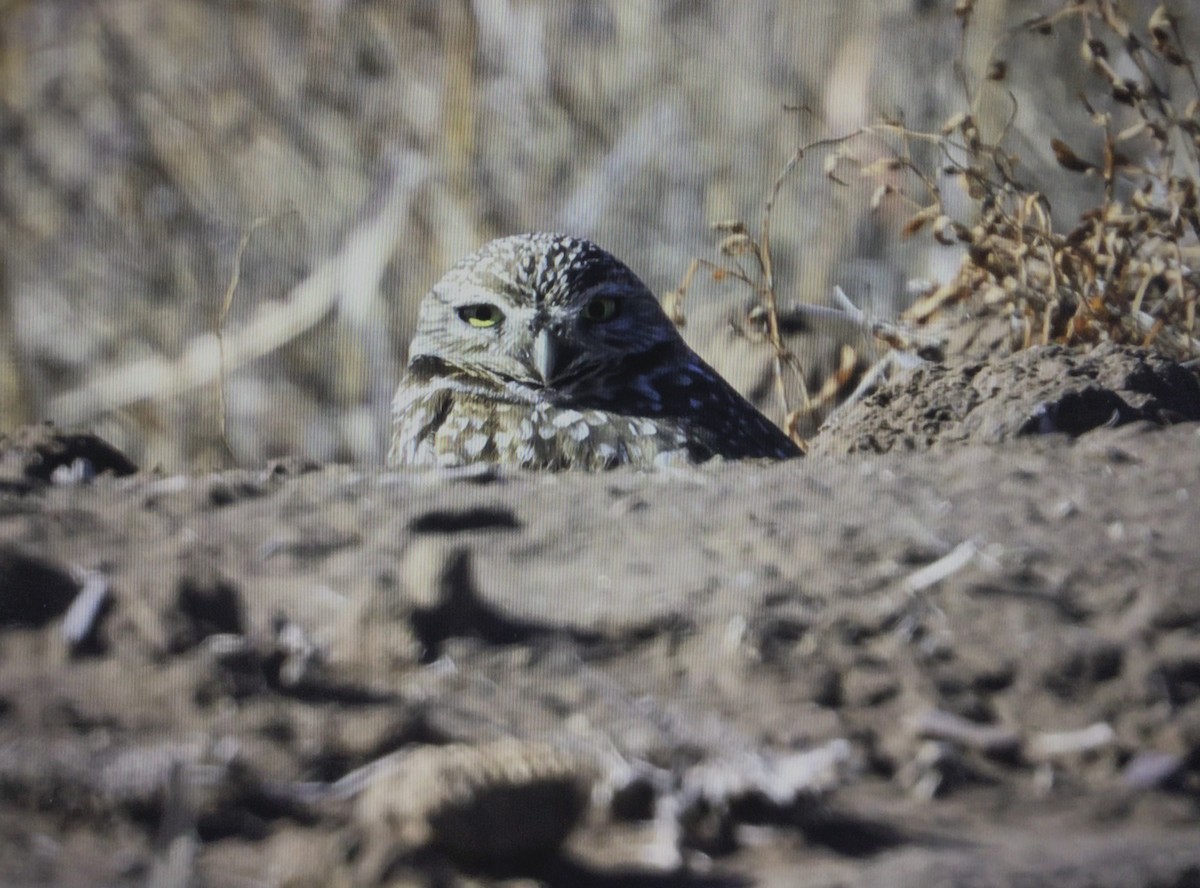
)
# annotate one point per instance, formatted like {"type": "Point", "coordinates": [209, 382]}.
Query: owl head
{"type": "Point", "coordinates": [542, 315]}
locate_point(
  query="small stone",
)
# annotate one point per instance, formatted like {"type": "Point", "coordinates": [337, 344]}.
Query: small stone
{"type": "Point", "coordinates": [1152, 770]}
{"type": "Point", "coordinates": [297, 658]}
{"type": "Point", "coordinates": [1064, 509]}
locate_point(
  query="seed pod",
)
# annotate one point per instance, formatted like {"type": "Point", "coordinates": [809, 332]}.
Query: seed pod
{"type": "Point", "coordinates": [736, 245]}
{"type": "Point", "coordinates": [1068, 159]}
{"type": "Point", "coordinates": [729, 226]}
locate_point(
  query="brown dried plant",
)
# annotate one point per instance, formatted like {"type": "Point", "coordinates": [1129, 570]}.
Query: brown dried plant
{"type": "Point", "coordinates": [1128, 271]}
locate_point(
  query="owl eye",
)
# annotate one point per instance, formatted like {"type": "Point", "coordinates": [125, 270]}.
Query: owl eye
{"type": "Point", "coordinates": [481, 315]}
{"type": "Point", "coordinates": [602, 308]}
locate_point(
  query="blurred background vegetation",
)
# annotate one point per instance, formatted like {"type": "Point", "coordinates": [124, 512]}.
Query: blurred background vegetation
{"type": "Point", "coordinates": [297, 173]}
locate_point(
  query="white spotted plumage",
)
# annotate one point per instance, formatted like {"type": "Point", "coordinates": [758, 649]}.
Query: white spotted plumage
{"type": "Point", "coordinates": [545, 352]}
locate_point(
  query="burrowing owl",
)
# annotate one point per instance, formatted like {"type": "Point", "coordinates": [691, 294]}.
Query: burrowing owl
{"type": "Point", "coordinates": [545, 352]}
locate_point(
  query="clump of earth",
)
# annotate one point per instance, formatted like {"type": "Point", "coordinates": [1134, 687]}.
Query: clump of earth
{"type": "Point", "coordinates": [958, 643]}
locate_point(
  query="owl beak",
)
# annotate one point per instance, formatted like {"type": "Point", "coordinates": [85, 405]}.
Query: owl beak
{"type": "Point", "coordinates": [546, 358]}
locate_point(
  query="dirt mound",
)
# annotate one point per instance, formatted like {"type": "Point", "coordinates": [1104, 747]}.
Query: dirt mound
{"type": "Point", "coordinates": [971, 663]}
{"type": "Point", "coordinates": [1044, 390]}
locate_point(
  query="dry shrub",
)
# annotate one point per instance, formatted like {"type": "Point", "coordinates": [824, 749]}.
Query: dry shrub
{"type": "Point", "coordinates": [1124, 272]}
{"type": "Point", "coordinates": [1128, 271]}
